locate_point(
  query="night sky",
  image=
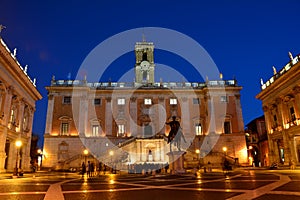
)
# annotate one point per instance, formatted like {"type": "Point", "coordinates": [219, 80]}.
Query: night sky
{"type": "Point", "coordinates": [244, 38]}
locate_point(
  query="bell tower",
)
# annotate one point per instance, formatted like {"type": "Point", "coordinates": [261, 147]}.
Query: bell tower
{"type": "Point", "coordinates": [144, 64]}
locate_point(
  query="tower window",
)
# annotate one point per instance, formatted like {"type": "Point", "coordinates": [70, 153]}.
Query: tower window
{"type": "Point", "coordinates": [198, 129]}
{"type": "Point", "coordinates": [67, 100]}
{"type": "Point", "coordinates": [64, 128]}
{"type": "Point", "coordinates": [95, 130]}
{"type": "Point", "coordinates": [145, 56]}
{"type": "Point", "coordinates": [121, 130]}
{"type": "Point", "coordinates": [227, 128]}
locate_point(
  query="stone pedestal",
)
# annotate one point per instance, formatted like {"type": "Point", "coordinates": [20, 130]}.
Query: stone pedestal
{"type": "Point", "coordinates": [176, 161]}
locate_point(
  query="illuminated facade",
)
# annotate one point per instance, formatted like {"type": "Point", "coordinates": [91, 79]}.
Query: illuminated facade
{"type": "Point", "coordinates": [280, 97]}
{"type": "Point", "coordinates": [124, 123]}
{"type": "Point", "coordinates": [18, 95]}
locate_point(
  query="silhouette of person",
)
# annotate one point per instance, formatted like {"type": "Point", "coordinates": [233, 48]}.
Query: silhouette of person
{"type": "Point", "coordinates": [83, 169]}
{"type": "Point", "coordinates": [175, 126]}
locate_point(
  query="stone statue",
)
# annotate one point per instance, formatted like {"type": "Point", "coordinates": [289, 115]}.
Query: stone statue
{"type": "Point", "coordinates": [175, 133]}
{"type": "Point", "coordinates": [2, 27]}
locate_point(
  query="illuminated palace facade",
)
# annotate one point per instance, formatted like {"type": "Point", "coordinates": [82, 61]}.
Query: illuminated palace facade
{"type": "Point", "coordinates": [280, 97]}
{"type": "Point", "coordinates": [124, 123]}
{"type": "Point", "coordinates": [18, 95]}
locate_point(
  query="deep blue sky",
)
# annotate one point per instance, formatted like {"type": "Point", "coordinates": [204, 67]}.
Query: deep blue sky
{"type": "Point", "coordinates": [244, 38]}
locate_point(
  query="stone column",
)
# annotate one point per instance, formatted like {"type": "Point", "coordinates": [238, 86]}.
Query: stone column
{"type": "Point", "coordinates": [133, 116]}
{"type": "Point", "coordinates": [26, 156]}
{"type": "Point", "coordinates": [161, 115]}
{"type": "Point", "coordinates": [185, 116]}
{"type": "Point", "coordinates": [239, 113]}
{"type": "Point", "coordinates": [21, 115]}
{"type": "Point", "coordinates": [3, 133]}
{"type": "Point", "coordinates": [297, 101]}
{"type": "Point", "coordinates": [281, 115]}
{"type": "Point", "coordinates": [30, 121]}
{"type": "Point", "coordinates": [49, 116]}
{"type": "Point", "coordinates": [83, 114]}
{"type": "Point", "coordinates": [108, 116]}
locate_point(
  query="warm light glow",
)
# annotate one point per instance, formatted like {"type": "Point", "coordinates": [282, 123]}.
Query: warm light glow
{"type": "Point", "coordinates": [39, 151]}
{"type": "Point", "coordinates": [197, 151]}
{"type": "Point", "coordinates": [85, 152]}
{"type": "Point", "coordinates": [111, 153]}
{"type": "Point", "coordinates": [18, 143]}
{"type": "Point", "coordinates": [250, 147]}
{"type": "Point", "coordinates": [54, 134]}
{"type": "Point", "coordinates": [224, 149]}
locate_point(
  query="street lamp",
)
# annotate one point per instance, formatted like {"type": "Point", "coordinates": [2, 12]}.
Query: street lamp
{"type": "Point", "coordinates": [18, 145]}
{"type": "Point", "coordinates": [85, 152]}
{"type": "Point", "coordinates": [225, 150]}
{"type": "Point", "coordinates": [198, 156]}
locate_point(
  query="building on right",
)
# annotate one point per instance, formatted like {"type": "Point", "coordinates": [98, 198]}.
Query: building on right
{"type": "Point", "coordinates": [280, 97]}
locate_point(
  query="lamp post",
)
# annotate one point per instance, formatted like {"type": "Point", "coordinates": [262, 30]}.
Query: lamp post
{"type": "Point", "coordinates": [111, 153]}
{"type": "Point", "coordinates": [225, 151]}
{"type": "Point", "coordinates": [85, 152]}
{"type": "Point", "coordinates": [198, 156]}
{"type": "Point", "coordinates": [18, 145]}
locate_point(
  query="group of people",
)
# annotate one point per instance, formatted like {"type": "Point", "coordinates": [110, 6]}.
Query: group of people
{"type": "Point", "coordinates": [91, 169]}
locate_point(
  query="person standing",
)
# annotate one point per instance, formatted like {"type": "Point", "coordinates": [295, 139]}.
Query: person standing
{"type": "Point", "coordinates": [83, 169]}
{"type": "Point", "coordinates": [88, 169]}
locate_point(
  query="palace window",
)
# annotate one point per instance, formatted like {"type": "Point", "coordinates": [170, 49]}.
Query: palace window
{"type": "Point", "coordinates": [224, 99]}
{"type": "Point", "coordinates": [173, 101]}
{"type": "Point", "coordinates": [67, 100]}
{"type": "Point", "coordinates": [26, 119]}
{"type": "Point", "coordinates": [147, 101]}
{"type": "Point", "coordinates": [198, 129]}
{"type": "Point", "coordinates": [227, 127]}
{"type": "Point", "coordinates": [121, 101]}
{"type": "Point", "coordinates": [64, 128]}
{"type": "Point", "coordinates": [121, 130]}
{"type": "Point", "coordinates": [12, 115]}
{"type": "Point", "coordinates": [97, 101]}
{"type": "Point", "coordinates": [196, 101]}
{"type": "Point", "coordinates": [275, 121]}
{"type": "Point", "coordinates": [292, 113]}
{"type": "Point", "coordinates": [95, 130]}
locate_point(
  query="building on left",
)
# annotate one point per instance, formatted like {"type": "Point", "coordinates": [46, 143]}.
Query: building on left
{"type": "Point", "coordinates": [18, 94]}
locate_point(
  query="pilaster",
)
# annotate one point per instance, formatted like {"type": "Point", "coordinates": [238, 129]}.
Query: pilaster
{"type": "Point", "coordinates": [49, 116]}
{"type": "Point", "coordinates": [108, 116]}
{"type": "Point", "coordinates": [133, 116]}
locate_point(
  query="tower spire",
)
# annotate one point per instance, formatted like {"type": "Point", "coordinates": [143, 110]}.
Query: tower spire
{"type": "Point", "coordinates": [143, 37]}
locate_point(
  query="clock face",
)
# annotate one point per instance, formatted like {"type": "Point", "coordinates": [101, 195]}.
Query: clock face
{"type": "Point", "coordinates": [145, 65]}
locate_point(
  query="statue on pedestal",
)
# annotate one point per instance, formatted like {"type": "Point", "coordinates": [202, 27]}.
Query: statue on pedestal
{"type": "Point", "coordinates": [175, 134]}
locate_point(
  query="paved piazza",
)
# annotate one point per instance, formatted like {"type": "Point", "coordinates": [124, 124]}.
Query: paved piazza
{"type": "Point", "coordinates": [237, 185]}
